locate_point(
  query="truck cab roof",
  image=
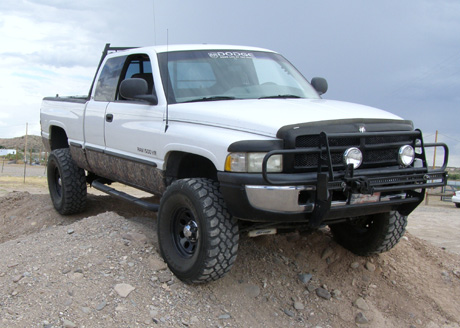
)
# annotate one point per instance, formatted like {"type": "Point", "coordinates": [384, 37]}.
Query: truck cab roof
{"type": "Point", "coordinates": [190, 47]}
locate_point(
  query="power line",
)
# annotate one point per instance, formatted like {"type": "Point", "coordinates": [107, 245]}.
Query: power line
{"type": "Point", "coordinates": [441, 134]}
{"type": "Point", "coordinates": [407, 86]}
{"type": "Point", "coordinates": [14, 126]}
{"type": "Point", "coordinates": [449, 137]}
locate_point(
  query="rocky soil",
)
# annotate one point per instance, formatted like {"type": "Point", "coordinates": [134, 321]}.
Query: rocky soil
{"type": "Point", "coordinates": [102, 269]}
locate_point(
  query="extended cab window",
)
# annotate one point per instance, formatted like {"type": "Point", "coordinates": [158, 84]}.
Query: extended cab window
{"type": "Point", "coordinates": [138, 66]}
{"type": "Point", "coordinates": [106, 86]}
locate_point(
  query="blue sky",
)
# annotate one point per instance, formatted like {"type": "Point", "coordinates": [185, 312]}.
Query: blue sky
{"type": "Point", "coordinates": [401, 56]}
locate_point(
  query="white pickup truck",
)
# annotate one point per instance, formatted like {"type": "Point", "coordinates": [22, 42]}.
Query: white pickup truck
{"type": "Point", "coordinates": [234, 140]}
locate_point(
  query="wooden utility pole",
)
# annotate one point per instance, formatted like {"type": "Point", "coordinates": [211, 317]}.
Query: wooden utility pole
{"type": "Point", "coordinates": [434, 156]}
{"type": "Point", "coordinates": [45, 161]}
{"type": "Point", "coordinates": [25, 153]}
{"type": "Point", "coordinates": [434, 166]}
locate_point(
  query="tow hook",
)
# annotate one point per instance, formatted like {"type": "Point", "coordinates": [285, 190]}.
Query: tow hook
{"type": "Point", "coordinates": [359, 185]}
{"type": "Point", "coordinates": [362, 186]}
{"type": "Point", "coordinates": [356, 185]}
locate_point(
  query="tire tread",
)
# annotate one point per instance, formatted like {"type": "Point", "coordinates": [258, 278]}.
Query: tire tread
{"type": "Point", "coordinates": [73, 180]}
{"type": "Point", "coordinates": [222, 230]}
{"type": "Point", "coordinates": [390, 229]}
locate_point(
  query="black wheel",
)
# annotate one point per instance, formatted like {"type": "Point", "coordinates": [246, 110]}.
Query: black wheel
{"type": "Point", "coordinates": [66, 182]}
{"type": "Point", "coordinates": [371, 234]}
{"type": "Point", "coordinates": [198, 238]}
{"type": "Point", "coordinates": [457, 205]}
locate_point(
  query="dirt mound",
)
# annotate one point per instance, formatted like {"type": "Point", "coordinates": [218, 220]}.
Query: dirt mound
{"type": "Point", "coordinates": [33, 142]}
{"type": "Point", "coordinates": [24, 213]}
{"type": "Point", "coordinates": [102, 269]}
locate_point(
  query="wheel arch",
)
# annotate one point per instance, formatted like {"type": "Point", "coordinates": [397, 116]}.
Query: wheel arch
{"type": "Point", "coordinates": [58, 138]}
{"type": "Point", "coordinates": [180, 165]}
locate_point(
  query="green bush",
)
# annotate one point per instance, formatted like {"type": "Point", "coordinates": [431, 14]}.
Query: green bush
{"type": "Point", "coordinates": [454, 176]}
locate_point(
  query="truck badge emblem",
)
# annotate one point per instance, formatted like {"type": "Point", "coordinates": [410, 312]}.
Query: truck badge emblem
{"type": "Point", "coordinates": [362, 129]}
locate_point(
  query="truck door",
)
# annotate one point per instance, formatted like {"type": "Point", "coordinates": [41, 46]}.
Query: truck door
{"type": "Point", "coordinates": [133, 129]}
{"type": "Point", "coordinates": [105, 92]}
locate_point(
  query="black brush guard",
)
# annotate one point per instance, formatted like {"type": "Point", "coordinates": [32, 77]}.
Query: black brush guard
{"type": "Point", "coordinates": [330, 177]}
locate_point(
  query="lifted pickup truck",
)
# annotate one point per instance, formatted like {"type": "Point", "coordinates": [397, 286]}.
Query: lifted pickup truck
{"type": "Point", "coordinates": [234, 140]}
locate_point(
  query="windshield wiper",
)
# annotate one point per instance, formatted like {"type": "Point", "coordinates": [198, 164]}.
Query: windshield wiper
{"type": "Point", "coordinates": [213, 98]}
{"type": "Point", "coordinates": [280, 96]}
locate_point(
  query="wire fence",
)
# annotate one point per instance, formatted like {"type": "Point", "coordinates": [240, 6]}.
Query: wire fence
{"type": "Point", "coordinates": [11, 169]}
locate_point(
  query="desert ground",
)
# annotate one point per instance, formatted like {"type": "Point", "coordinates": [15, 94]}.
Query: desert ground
{"type": "Point", "coordinates": [101, 268]}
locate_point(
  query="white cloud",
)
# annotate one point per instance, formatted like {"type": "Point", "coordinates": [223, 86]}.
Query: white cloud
{"type": "Point", "coordinates": [396, 55]}
{"type": "Point", "coordinates": [45, 50]}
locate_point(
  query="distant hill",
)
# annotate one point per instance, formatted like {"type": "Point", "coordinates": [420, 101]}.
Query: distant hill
{"type": "Point", "coordinates": [33, 142]}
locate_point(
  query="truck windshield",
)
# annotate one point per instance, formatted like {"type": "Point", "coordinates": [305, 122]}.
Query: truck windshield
{"type": "Point", "coordinates": [191, 76]}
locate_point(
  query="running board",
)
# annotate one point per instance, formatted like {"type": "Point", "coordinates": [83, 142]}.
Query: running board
{"type": "Point", "coordinates": [122, 195]}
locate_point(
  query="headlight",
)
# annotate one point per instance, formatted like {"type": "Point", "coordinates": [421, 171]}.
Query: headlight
{"type": "Point", "coordinates": [252, 162]}
{"type": "Point", "coordinates": [406, 155]}
{"type": "Point", "coordinates": [236, 162]}
{"type": "Point", "coordinates": [353, 156]}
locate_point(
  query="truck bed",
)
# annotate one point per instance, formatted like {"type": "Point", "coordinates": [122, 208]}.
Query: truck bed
{"type": "Point", "coordinates": [66, 113]}
{"type": "Point", "coordinates": [76, 99]}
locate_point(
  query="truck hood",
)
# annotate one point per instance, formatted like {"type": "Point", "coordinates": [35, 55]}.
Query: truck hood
{"type": "Point", "coordinates": [267, 116]}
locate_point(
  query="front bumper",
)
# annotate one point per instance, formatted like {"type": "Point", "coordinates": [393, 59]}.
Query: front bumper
{"type": "Point", "coordinates": [287, 199]}
{"type": "Point", "coordinates": [332, 193]}
{"type": "Point", "coordinates": [249, 197]}
{"type": "Point", "coordinates": [281, 199]}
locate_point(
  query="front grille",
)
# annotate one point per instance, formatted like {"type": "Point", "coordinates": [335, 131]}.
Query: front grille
{"type": "Point", "coordinates": [387, 139]}
{"type": "Point", "coordinates": [307, 141]}
{"type": "Point", "coordinates": [377, 156]}
{"type": "Point", "coordinates": [377, 150]}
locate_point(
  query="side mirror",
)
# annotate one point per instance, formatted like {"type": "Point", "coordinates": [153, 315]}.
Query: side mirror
{"type": "Point", "coordinates": [137, 89]}
{"type": "Point", "coordinates": [320, 85]}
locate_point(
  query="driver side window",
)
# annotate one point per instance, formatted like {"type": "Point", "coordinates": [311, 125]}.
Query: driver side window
{"type": "Point", "coordinates": [138, 66]}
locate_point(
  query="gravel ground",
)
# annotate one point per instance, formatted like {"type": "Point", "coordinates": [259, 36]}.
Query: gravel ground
{"type": "Point", "coordinates": [438, 223]}
{"type": "Point", "coordinates": [101, 268]}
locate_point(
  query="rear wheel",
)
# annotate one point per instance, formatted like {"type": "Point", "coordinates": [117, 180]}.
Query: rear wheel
{"type": "Point", "coordinates": [198, 238]}
{"type": "Point", "coordinates": [66, 182]}
{"type": "Point", "coordinates": [371, 234]}
{"type": "Point", "coordinates": [457, 205]}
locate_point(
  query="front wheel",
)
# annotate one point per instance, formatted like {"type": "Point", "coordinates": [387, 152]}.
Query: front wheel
{"type": "Point", "coordinates": [198, 238]}
{"type": "Point", "coordinates": [66, 182]}
{"type": "Point", "coordinates": [370, 234]}
{"type": "Point", "coordinates": [457, 205]}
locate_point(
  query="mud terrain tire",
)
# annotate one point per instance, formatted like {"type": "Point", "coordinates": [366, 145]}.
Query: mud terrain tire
{"type": "Point", "coordinates": [66, 183]}
{"type": "Point", "coordinates": [371, 234]}
{"type": "Point", "coordinates": [198, 237]}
